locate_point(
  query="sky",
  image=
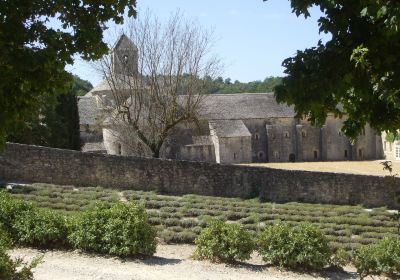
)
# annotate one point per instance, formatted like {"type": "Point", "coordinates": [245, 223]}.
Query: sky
{"type": "Point", "coordinates": [253, 37]}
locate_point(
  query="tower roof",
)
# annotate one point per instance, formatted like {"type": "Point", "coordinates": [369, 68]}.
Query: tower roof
{"type": "Point", "coordinates": [124, 43]}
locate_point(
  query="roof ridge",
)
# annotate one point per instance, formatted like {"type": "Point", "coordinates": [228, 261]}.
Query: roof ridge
{"type": "Point", "coordinates": [240, 93]}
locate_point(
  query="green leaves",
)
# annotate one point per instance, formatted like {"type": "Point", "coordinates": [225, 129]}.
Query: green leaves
{"type": "Point", "coordinates": [356, 70]}
{"type": "Point", "coordinates": [303, 247]}
{"type": "Point", "coordinates": [224, 242]}
{"type": "Point", "coordinates": [381, 258]}
{"type": "Point", "coordinates": [121, 230]}
{"type": "Point", "coordinates": [33, 54]}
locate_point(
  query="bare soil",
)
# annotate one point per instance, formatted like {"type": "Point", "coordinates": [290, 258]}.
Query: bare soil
{"type": "Point", "coordinates": [170, 262]}
{"type": "Point", "coordinates": [354, 167]}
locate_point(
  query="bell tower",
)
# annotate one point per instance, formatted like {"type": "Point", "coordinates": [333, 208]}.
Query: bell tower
{"type": "Point", "coordinates": [125, 57]}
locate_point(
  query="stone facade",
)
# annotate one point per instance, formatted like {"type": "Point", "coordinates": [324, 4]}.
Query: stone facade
{"type": "Point", "coordinates": [40, 164]}
{"type": "Point", "coordinates": [260, 138]}
{"type": "Point", "coordinates": [391, 149]}
{"type": "Point", "coordinates": [241, 128]}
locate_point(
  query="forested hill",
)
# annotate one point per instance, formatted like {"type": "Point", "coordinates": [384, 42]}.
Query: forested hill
{"type": "Point", "coordinates": [221, 86]}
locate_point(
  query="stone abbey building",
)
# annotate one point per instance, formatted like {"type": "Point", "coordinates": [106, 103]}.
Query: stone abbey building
{"type": "Point", "coordinates": [235, 128]}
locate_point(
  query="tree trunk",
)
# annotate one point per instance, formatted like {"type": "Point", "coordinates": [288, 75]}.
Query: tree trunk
{"type": "Point", "coordinates": [156, 153]}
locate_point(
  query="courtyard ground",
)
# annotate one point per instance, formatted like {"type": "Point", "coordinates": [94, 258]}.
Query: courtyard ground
{"type": "Point", "coordinates": [354, 167]}
{"type": "Point", "coordinates": [170, 262]}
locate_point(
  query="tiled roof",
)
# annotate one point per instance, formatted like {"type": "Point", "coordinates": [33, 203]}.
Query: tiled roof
{"type": "Point", "coordinates": [229, 128]}
{"type": "Point", "coordinates": [242, 106]}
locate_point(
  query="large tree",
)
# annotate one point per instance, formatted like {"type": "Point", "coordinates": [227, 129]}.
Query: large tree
{"type": "Point", "coordinates": [57, 123]}
{"type": "Point", "coordinates": [33, 52]}
{"type": "Point", "coordinates": [165, 86]}
{"type": "Point", "coordinates": [356, 72]}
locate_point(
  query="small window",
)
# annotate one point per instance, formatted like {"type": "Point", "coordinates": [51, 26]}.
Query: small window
{"type": "Point", "coordinates": [234, 156]}
{"type": "Point", "coordinates": [345, 153]}
{"type": "Point", "coordinates": [360, 153]}
{"type": "Point", "coordinates": [276, 155]}
{"type": "Point", "coordinates": [119, 149]}
{"type": "Point", "coordinates": [125, 59]}
{"type": "Point", "coordinates": [261, 155]}
{"type": "Point", "coordinates": [256, 136]}
{"type": "Point", "coordinates": [287, 135]}
{"type": "Point", "coordinates": [315, 154]}
{"type": "Point", "coordinates": [303, 133]}
{"type": "Point", "coordinates": [340, 133]}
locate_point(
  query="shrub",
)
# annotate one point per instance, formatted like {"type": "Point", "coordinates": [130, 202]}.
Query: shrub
{"type": "Point", "coordinates": [303, 246]}
{"type": "Point", "coordinates": [122, 230]}
{"type": "Point", "coordinates": [30, 225]}
{"type": "Point", "coordinates": [340, 258]}
{"type": "Point", "coordinates": [169, 222]}
{"type": "Point", "coordinates": [188, 223]}
{"type": "Point", "coordinates": [224, 242]}
{"type": "Point", "coordinates": [10, 268]}
{"type": "Point", "coordinates": [167, 235]}
{"type": "Point", "coordinates": [380, 258]}
{"type": "Point", "coordinates": [40, 228]}
{"type": "Point", "coordinates": [10, 209]}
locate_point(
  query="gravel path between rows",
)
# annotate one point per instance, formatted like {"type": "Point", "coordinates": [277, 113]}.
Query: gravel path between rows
{"type": "Point", "coordinates": [172, 262]}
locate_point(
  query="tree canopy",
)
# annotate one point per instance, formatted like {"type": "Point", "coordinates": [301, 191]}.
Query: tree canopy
{"type": "Point", "coordinates": [221, 86]}
{"type": "Point", "coordinates": [57, 123]}
{"type": "Point", "coordinates": [33, 52]}
{"type": "Point", "coordinates": [356, 72]}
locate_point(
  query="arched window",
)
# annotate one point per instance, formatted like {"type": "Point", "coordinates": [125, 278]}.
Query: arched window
{"type": "Point", "coordinates": [260, 155]}
{"type": "Point", "coordinates": [119, 149]}
{"type": "Point", "coordinates": [287, 134]}
{"type": "Point", "coordinates": [256, 136]}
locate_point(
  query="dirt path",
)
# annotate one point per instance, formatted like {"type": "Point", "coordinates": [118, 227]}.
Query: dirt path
{"type": "Point", "coordinates": [354, 167]}
{"type": "Point", "coordinates": [170, 262]}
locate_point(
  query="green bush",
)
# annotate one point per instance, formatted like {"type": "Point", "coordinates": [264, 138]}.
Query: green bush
{"type": "Point", "coordinates": [224, 242]}
{"type": "Point", "coordinates": [13, 269]}
{"type": "Point", "coordinates": [122, 230]}
{"type": "Point", "coordinates": [340, 258]}
{"type": "Point", "coordinates": [30, 225]}
{"type": "Point", "coordinates": [302, 247]}
{"type": "Point", "coordinates": [380, 258]}
{"type": "Point", "coordinates": [40, 228]}
{"type": "Point", "coordinates": [10, 209]}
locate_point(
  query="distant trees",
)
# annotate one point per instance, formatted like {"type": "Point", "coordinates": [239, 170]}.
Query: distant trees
{"type": "Point", "coordinates": [221, 86]}
{"type": "Point", "coordinates": [57, 122]}
{"type": "Point", "coordinates": [391, 137]}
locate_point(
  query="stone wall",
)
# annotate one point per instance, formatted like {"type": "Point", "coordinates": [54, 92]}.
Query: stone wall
{"type": "Point", "coordinates": [40, 164]}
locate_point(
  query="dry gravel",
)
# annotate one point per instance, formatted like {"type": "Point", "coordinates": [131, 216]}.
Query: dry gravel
{"type": "Point", "coordinates": [354, 167]}
{"type": "Point", "coordinates": [170, 262]}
